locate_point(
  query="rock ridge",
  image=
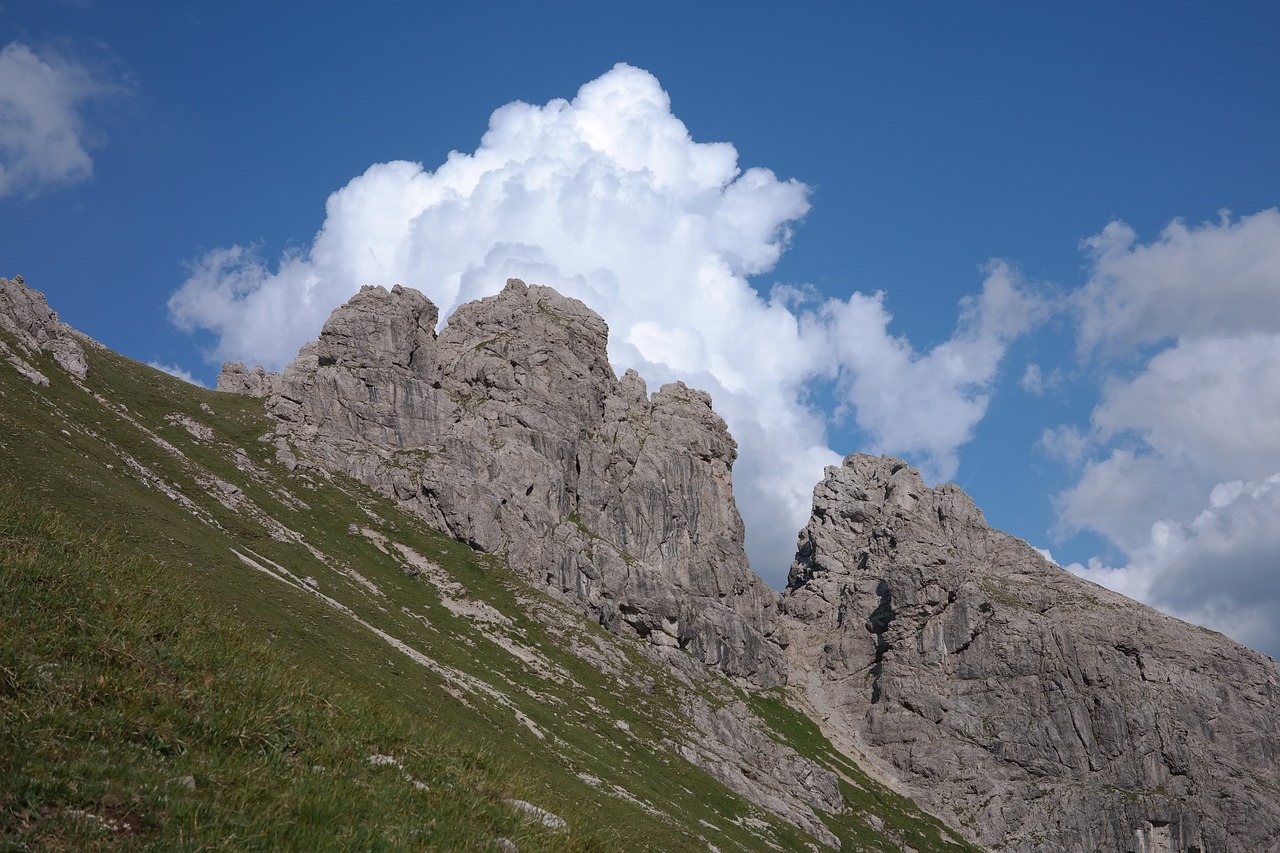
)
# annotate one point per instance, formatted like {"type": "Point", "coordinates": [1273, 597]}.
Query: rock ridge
{"type": "Point", "coordinates": [1028, 708]}
{"type": "Point", "coordinates": [236, 378]}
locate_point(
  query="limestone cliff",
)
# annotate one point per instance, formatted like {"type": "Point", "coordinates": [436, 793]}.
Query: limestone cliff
{"type": "Point", "coordinates": [510, 431]}
{"type": "Point", "coordinates": [1030, 709]}
{"type": "Point", "coordinates": [1036, 710]}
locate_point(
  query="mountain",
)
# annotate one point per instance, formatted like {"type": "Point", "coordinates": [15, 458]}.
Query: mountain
{"type": "Point", "coordinates": [471, 589]}
{"type": "Point", "coordinates": [213, 642]}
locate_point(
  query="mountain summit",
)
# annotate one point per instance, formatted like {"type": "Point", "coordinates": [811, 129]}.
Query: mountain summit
{"type": "Point", "coordinates": [510, 431]}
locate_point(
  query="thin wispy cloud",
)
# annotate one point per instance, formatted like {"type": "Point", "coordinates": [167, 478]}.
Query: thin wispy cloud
{"type": "Point", "coordinates": [176, 371]}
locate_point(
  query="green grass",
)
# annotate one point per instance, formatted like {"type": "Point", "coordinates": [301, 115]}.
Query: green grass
{"type": "Point", "coordinates": [117, 686]}
{"type": "Point", "coordinates": [137, 649]}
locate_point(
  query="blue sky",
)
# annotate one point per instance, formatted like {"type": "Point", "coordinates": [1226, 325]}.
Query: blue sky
{"type": "Point", "coordinates": [1108, 393]}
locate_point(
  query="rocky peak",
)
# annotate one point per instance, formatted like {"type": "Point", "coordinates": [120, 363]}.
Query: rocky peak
{"type": "Point", "coordinates": [862, 496]}
{"type": "Point", "coordinates": [1030, 707]}
{"type": "Point", "coordinates": [236, 378]}
{"type": "Point", "coordinates": [1027, 707]}
{"type": "Point", "coordinates": [510, 431]}
{"type": "Point", "coordinates": [25, 314]}
{"type": "Point", "coordinates": [528, 343]}
{"type": "Point", "coordinates": [378, 328]}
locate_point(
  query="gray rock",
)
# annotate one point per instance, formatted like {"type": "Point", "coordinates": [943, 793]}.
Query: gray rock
{"type": "Point", "coordinates": [188, 782]}
{"type": "Point", "coordinates": [734, 747]}
{"type": "Point", "coordinates": [1030, 708]}
{"type": "Point", "coordinates": [538, 814]}
{"type": "Point", "coordinates": [235, 378]}
{"type": "Point", "coordinates": [195, 428]}
{"type": "Point", "coordinates": [25, 370]}
{"type": "Point", "coordinates": [25, 314]}
{"type": "Point", "coordinates": [511, 432]}
{"type": "Point", "coordinates": [1026, 707]}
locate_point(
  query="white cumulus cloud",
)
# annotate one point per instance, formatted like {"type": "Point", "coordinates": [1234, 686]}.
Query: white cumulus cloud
{"type": "Point", "coordinates": [42, 128]}
{"type": "Point", "coordinates": [1213, 279]}
{"type": "Point", "coordinates": [1186, 445]}
{"type": "Point", "coordinates": [608, 199]}
{"type": "Point", "coordinates": [1217, 569]}
{"type": "Point", "coordinates": [927, 404]}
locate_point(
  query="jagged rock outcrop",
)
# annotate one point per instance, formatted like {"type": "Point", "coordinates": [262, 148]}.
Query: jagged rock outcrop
{"type": "Point", "coordinates": [1035, 710]}
{"type": "Point", "coordinates": [25, 314]}
{"type": "Point", "coordinates": [235, 378]}
{"type": "Point", "coordinates": [511, 432]}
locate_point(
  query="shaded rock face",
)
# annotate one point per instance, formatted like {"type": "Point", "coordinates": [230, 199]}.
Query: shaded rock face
{"type": "Point", "coordinates": [511, 432]}
{"type": "Point", "coordinates": [25, 314]}
{"type": "Point", "coordinates": [1033, 709]}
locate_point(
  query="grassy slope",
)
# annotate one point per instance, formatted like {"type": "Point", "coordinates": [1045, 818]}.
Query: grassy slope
{"type": "Point", "coordinates": [137, 649]}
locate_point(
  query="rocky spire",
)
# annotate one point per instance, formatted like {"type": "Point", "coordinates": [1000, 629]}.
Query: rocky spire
{"type": "Point", "coordinates": [236, 378]}
{"type": "Point", "coordinates": [1023, 705]}
{"type": "Point", "coordinates": [25, 314]}
{"type": "Point", "coordinates": [510, 431]}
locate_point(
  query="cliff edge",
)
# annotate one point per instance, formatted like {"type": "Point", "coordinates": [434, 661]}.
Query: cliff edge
{"type": "Point", "coordinates": [1030, 709]}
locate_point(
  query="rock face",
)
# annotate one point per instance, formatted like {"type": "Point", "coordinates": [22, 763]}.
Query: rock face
{"type": "Point", "coordinates": [1033, 709]}
{"type": "Point", "coordinates": [25, 314]}
{"type": "Point", "coordinates": [235, 378]}
{"type": "Point", "coordinates": [511, 432]}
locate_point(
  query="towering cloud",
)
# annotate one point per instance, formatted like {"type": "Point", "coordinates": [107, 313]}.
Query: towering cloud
{"type": "Point", "coordinates": [608, 199]}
